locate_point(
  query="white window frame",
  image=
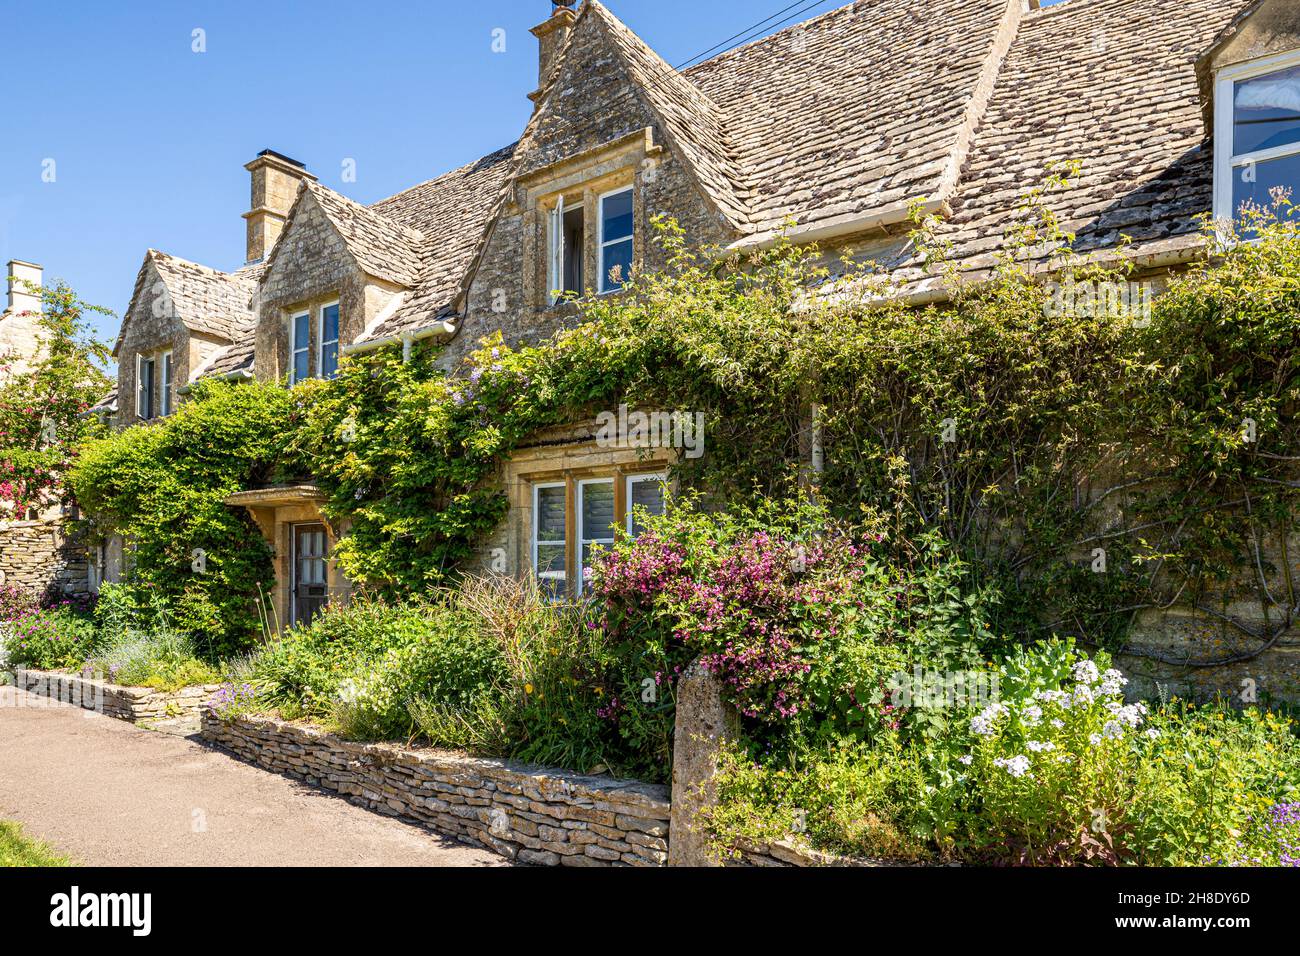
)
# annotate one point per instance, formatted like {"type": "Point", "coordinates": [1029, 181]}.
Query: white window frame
{"type": "Point", "coordinates": [295, 348]}
{"type": "Point", "coordinates": [140, 359]}
{"type": "Point", "coordinates": [607, 534]}
{"type": "Point", "coordinates": [660, 477]}
{"type": "Point", "coordinates": [537, 516]}
{"type": "Point", "coordinates": [165, 376]}
{"type": "Point", "coordinates": [556, 247]}
{"type": "Point", "coordinates": [602, 244]}
{"type": "Point", "coordinates": [321, 342]}
{"type": "Point", "coordinates": [1226, 163]}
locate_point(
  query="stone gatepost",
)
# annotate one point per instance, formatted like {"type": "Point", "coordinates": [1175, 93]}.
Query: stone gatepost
{"type": "Point", "coordinates": [704, 724]}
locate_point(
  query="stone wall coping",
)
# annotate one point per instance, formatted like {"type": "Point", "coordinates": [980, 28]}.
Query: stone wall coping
{"type": "Point", "coordinates": [126, 690]}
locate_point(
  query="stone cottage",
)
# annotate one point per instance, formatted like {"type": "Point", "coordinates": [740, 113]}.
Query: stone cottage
{"type": "Point", "coordinates": [841, 124]}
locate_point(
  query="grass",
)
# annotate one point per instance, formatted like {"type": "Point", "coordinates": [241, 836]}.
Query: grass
{"type": "Point", "coordinates": [18, 850]}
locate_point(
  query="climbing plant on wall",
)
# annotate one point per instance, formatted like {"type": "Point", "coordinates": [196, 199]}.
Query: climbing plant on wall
{"type": "Point", "coordinates": [162, 486]}
{"type": "Point", "coordinates": [1086, 450]}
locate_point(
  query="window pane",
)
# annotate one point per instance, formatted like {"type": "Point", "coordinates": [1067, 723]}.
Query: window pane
{"type": "Point", "coordinates": [597, 510]}
{"type": "Point", "coordinates": [1266, 112]}
{"type": "Point", "coordinates": [166, 384]}
{"type": "Point", "coordinates": [616, 213]}
{"type": "Point", "coordinates": [573, 250]}
{"type": "Point", "coordinates": [329, 360]}
{"type": "Point", "coordinates": [550, 560]}
{"type": "Point", "coordinates": [589, 553]}
{"type": "Point", "coordinates": [647, 494]}
{"type": "Point", "coordinates": [146, 388]}
{"type": "Point", "coordinates": [301, 365]}
{"type": "Point", "coordinates": [550, 513]}
{"type": "Point", "coordinates": [329, 319]}
{"type": "Point", "coordinates": [1251, 183]}
{"type": "Point", "coordinates": [301, 331]}
{"type": "Point", "coordinates": [617, 256]}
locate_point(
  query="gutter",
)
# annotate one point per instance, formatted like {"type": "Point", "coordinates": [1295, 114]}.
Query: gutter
{"type": "Point", "coordinates": [932, 290]}
{"type": "Point", "coordinates": [241, 374]}
{"type": "Point", "coordinates": [846, 225]}
{"type": "Point", "coordinates": [437, 330]}
{"type": "Point", "coordinates": [109, 409]}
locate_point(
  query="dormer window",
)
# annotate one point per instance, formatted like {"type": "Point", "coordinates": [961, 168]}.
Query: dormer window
{"type": "Point", "coordinates": [153, 385]}
{"type": "Point", "coordinates": [1257, 134]}
{"type": "Point", "coordinates": [615, 239]}
{"type": "Point", "coordinates": [591, 229]}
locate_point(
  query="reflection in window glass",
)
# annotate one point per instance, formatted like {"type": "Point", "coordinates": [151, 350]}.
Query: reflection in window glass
{"type": "Point", "coordinates": [645, 496]}
{"type": "Point", "coordinates": [596, 525]}
{"type": "Point", "coordinates": [549, 528]}
{"type": "Point", "coordinates": [1253, 182]}
{"type": "Point", "coordinates": [615, 240]}
{"type": "Point", "coordinates": [1266, 112]}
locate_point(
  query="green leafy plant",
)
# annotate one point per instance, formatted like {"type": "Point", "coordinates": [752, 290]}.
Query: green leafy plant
{"type": "Point", "coordinates": [42, 407]}
{"type": "Point", "coordinates": [163, 485]}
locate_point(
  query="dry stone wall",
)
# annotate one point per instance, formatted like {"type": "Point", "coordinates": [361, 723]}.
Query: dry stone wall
{"type": "Point", "coordinates": [529, 814]}
{"type": "Point", "coordinates": [40, 556]}
{"type": "Point", "coordinates": [140, 705]}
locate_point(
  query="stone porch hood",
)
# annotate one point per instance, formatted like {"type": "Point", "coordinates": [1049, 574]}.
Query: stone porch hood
{"type": "Point", "coordinates": [276, 496]}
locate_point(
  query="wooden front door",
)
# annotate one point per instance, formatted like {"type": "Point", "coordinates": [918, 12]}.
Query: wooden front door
{"type": "Point", "coordinates": [309, 581]}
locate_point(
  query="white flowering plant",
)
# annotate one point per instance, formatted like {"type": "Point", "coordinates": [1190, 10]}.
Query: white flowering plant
{"type": "Point", "coordinates": [1048, 763]}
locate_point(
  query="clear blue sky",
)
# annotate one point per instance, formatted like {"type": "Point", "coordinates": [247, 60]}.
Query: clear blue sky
{"type": "Point", "coordinates": [149, 138]}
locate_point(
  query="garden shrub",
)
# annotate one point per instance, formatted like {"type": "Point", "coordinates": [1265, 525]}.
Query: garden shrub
{"type": "Point", "coordinates": [491, 667]}
{"type": "Point", "coordinates": [1057, 770]}
{"type": "Point", "coordinates": [43, 419]}
{"type": "Point", "coordinates": [49, 638]}
{"type": "Point", "coordinates": [804, 619]}
{"type": "Point", "coordinates": [361, 665]}
{"type": "Point", "coordinates": [163, 659]}
{"type": "Point", "coordinates": [162, 486]}
{"type": "Point", "coordinates": [851, 799]}
{"type": "Point", "coordinates": [1208, 781]}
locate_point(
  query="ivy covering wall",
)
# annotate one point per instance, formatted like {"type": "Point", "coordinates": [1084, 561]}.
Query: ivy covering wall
{"type": "Point", "coordinates": [1026, 436]}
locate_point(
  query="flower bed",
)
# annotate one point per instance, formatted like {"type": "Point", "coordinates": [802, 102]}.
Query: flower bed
{"type": "Point", "coordinates": [139, 705]}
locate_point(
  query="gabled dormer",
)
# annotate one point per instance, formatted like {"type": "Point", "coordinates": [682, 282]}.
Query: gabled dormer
{"type": "Point", "coordinates": [1250, 81]}
{"type": "Point", "coordinates": [182, 317]}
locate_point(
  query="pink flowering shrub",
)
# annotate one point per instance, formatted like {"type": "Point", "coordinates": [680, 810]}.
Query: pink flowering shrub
{"type": "Point", "coordinates": [49, 638]}
{"type": "Point", "coordinates": [801, 617]}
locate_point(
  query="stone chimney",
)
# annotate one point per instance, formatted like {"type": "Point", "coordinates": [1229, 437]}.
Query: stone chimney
{"type": "Point", "coordinates": [550, 40]}
{"type": "Point", "coordinates": [275, 179]}
{"type": "Point", "coordinates": [21, 299]}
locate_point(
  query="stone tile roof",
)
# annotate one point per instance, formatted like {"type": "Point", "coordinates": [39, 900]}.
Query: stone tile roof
{"type": "Point", "coordinates": [205, 300]}
{"type": "Point", "coordinates": [230, 361]}
{"type": "Point", "coordinates": [867, 106]}
{"type": "Point", "coordinates": [1111, 83]}
{"type": "Point", "coordinates": [106, 404]}
{"type": "Point", "coordinates": [382, 246]}
{"type": "Point", "coordinates": [693, 123]}
{"type": "Point", "coordinates": [864, 109]}
{"type": "Point", "coordinates": [453, 211]}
